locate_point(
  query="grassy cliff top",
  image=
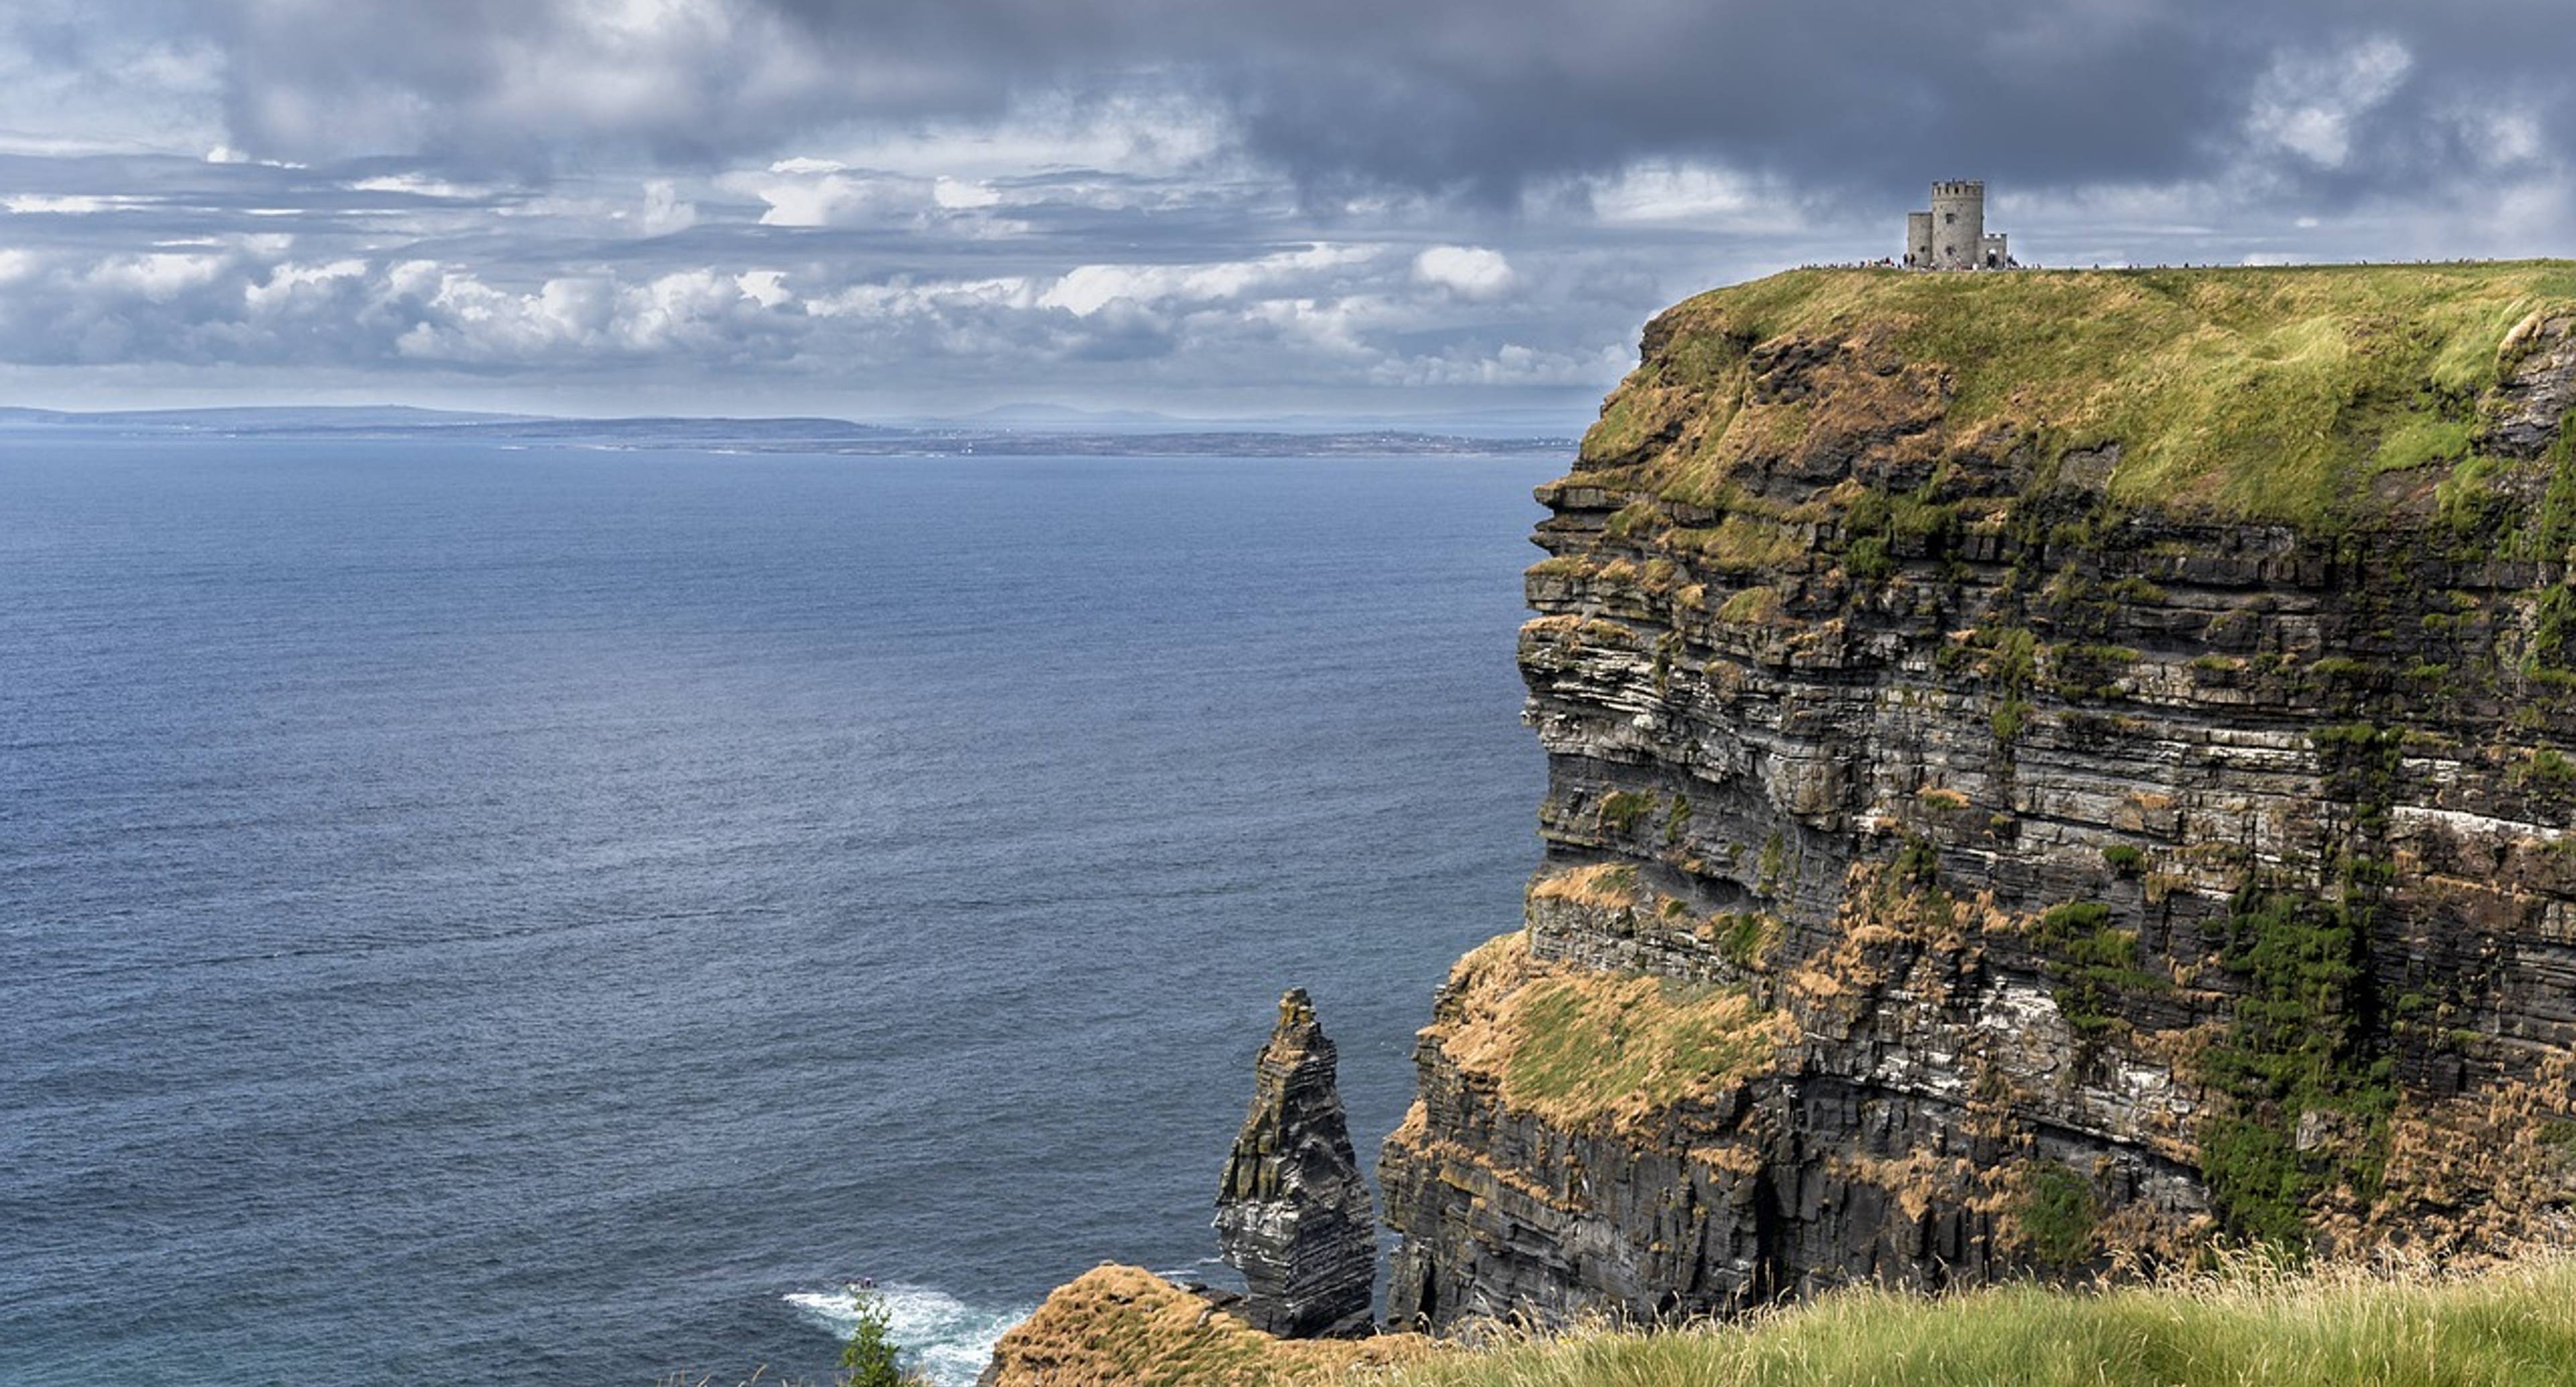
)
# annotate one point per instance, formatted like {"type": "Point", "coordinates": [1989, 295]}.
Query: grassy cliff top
{"type": "Point", "coordinates": [2509, 1326]}
{"type": "Point", "coordinates": [2236, 393]}
{"type": "Point", "coordinates": [2512, 1327]}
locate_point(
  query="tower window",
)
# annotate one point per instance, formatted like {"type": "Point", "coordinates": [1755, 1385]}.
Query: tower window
{"type": "Point", "coordinates": [1948, 217]}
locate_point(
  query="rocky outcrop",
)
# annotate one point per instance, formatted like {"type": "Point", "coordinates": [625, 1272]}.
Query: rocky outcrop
{"type": "Point", "coordinates": [1987, 837]}
{"type": "Point", "coordinates": [1117, 1326]}
{"type": "Point", "coordinates": [1294, 1215]}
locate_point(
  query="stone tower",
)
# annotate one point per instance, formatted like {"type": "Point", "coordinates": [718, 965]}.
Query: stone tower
{"type": "Point", "coordinates": [1952, 236]}
{"type": "Point", "coordinates": [1293, 1214]}
{"type": "Point", "coordinates": [1958, 225]}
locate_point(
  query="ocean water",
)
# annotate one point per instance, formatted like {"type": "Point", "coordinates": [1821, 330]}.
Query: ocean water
{"type": "Point", "coordinates": [550, 916]}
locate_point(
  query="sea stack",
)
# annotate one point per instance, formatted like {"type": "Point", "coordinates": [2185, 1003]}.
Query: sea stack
{"type": "Point", "coordinates": [1293, 1215]}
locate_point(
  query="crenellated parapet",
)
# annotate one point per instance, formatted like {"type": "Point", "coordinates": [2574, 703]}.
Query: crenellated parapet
{"type": "Point", "coordinates": [1953, 235]}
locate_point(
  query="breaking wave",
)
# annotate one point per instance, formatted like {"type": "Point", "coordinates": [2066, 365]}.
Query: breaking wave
{"type": "Point", "coordinates": [942, 1337]}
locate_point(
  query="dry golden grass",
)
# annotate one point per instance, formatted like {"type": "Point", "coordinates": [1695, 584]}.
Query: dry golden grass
{"type": "Point", "coordinates": [2247, 1324]}
{"type": "Point", "coordinates": [1118, 1326]}
{"type": "Point", "coordinates": [2246, 1327]}
{"type": "Point", "coordinates": [2258, 393]}
{"type": "Point", "coordinates": [1602, 885]}
{"type": "Point", "coordinates": [1584, 1048]}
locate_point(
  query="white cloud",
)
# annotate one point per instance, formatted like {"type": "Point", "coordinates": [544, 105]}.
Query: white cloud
{"type": "Point", "coordinates": [957, 194]}
{"type": "Point", "coordinates": [227, 154]}
{"type": "Point", "coordinates": [64, 204]}
{"type": "Point", "coordinates": [421, 185]}
{"type": "Point", "coordinates": [158, 277]}
{"type": "Point", "coordinates": [414, 278]}
{"type": "Point", "coordinates": [584, 319]}
{"type": "Point", "coordinates": [1137, 131]}
{"type": "Point", "coordinates": [264, 244]}
{"type": "Point", "coordinates": [906, 299]}
{"type": "Point", "coordinates": [664, 210]}
{"type": "Point", "coordinates": [1318, 315]}
{"type": "Point", "coordinates": [2500, 130]}
{"type": "Point", "coordinates": [1471, 271]}
{"type": "Point", "coordinates": [293, 287]}
{"type": "Point", "coordinates": [1666, 192]}
{"type": "Point", "coordinates": [1511, 364]}
{"type": "Point", "coordinates": [818, 193]}
{"type": "Point", "coordinates": [2306, 103]}
{"type": "Point", "coordinates": [826, 192]}
{"type": "Point", "coordinates": [1087, 289]}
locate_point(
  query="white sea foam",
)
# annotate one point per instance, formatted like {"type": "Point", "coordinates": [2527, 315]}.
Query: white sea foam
{"type": "Point", "coordinates": [1211, 1271]}
{"type": "Point", "coordinates": [942, 1337]}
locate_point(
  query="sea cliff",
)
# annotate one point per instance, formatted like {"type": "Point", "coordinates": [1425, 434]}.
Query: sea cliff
{"type": "Point", "coordinates": [2050, 775]}
{"type": "Point", "coordinates": [2047, 772]}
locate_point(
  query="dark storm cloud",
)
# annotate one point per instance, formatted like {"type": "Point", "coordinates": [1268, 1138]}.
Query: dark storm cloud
{"type": "Point", "coordinates": [738, 204]}
{"type": "Point", "coordinates": [1475, 96]}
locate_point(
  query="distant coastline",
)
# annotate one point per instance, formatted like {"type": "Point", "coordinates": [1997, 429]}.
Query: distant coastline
{"type": "Point", "coordinates": [794, 434]}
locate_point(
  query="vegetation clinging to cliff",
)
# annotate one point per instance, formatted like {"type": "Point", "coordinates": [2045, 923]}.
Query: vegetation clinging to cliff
{"type": "Point", "coordinates": [2264, 394]}
{"type": "Point", "coordinates": [1580, 1047]}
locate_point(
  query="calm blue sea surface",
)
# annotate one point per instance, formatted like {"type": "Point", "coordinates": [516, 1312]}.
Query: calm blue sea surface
{"type": "Point", "coordinates": [488, 916]}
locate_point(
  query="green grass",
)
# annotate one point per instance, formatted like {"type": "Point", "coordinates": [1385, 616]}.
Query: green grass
{"type": "Point", "coordinates": [1583, 1048]}
{"type": "Point", "coordinates": [1751, 607]}
{"type": "Point", "coordinates": [2296, 1043]}
{"type": "Point", "coordinates": [1589, 1046]}
{"type": "Point", "coordinates": [2270, 394]}
{"type": "Point", "coordinates": [1620, 811]}
{"type": "Point", "coordinates": [2418, 441]}
{"type": "Point", "coordinates": [2057, 1213]}
{"type": "Point", "coordinates": [2511, 1328]}
{"type": "Point", "coordinates": [2092, 964]}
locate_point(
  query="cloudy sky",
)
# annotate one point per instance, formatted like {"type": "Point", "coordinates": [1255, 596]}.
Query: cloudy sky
{"type": "Point", "coordinates": [880, 208]}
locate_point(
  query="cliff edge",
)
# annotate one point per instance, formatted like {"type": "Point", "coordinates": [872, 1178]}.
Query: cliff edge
{"type": "Point", "coordinates": [1118, 1326]}
{"type": "Point", "coordinates": [2046, 772]}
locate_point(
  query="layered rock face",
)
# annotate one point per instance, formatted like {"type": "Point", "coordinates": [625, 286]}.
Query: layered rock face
{"type": "Point", "coordinates": [1293, 1214]}
{"type": "Point", "coordinates": [2005, 822]}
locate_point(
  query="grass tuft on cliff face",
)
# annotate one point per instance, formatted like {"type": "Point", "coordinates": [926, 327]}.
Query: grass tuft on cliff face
{"type": "Point", "coordinates": [2514, 1327]}
{"type": "Point", "coordinates": [1580, 1047]}
{"type": "Point", "coordinates": [2262, 394]}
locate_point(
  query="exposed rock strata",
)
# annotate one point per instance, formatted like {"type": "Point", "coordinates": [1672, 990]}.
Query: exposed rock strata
{"type": "Point", "coordinates": [1294, 1215]}
{"type": "Point", "coordinates": [2092, 877]}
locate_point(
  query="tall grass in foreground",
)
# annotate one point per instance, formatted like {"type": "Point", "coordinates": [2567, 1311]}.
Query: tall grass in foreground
{"type": "Point", "coordinates": [2515, 1327]}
